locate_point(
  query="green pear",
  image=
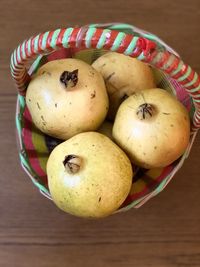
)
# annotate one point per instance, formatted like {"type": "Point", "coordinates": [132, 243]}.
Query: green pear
{"type": "Point", "coordinates": [89, 175]}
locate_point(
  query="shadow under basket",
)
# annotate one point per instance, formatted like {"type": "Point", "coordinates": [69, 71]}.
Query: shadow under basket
{"type": "Point", "coordinates": [35, 147]}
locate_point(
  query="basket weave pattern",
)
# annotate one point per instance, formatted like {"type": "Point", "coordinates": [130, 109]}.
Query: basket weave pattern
{"type": "Point", "coordinates": [90, 42]}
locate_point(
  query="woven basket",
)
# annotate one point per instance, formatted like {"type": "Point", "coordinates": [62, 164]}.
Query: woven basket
{"type": "Point", "coordinates": [88, 43]}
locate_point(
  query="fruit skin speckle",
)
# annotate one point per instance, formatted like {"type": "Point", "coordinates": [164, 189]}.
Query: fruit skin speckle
{"type": "Point", "coordinates": [72, 86]}
{"type": "Point", "coordinates": [93, 95]}
{"type": "Point", "coordinates": [148, 136]}
{"type": "Point", "coordinates": [84, 193]}
{"type": "Point", "coordinates": [123, 77]}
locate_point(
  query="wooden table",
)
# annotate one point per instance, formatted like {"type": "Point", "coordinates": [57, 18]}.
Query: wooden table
{"type": "Point", "coordinates": [166, 231]}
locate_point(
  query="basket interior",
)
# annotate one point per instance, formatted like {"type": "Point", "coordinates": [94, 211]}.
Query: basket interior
{"type": "Point", "coordinates": [35, 147]}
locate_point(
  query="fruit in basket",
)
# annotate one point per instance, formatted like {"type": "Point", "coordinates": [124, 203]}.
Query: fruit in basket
{"type": "Point", "coordinates": [123, 76]}
{"type": "Point", "coordinates": [89, 175]}
{"type": "Point", "coordinates": [66, 97]}
{"type": "Point", "coordinates": [106, 129]}
{"type": "Point", "coordinates": [152, 127]}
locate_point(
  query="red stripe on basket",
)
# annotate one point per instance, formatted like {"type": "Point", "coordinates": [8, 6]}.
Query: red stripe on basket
{"type": "Point", "coordinates": [195, 85]}
{"type": "Point", "coordinates": [17, 68]}
{"type": "Point", "coordinates": [189, 78]}
{"type": "Point", "coordinates": [24, 77]}
{"type": "Point", "coordinates": [173, 66]}
{"type": "Point", "coordinates": [196, 121]}
{"type": "Point", "coordinates": [139, 48]}
{"type": "Point", "coordinates": [26, 49]}
{"type": "Point", "coordinates": [197, 104]}
{"type": "Point", "coordinates": [60, 38]}
{"type": "Point", "coordinates": [110, 39]}
{"type": "Point", "coordinates": [180, 73]}
{"type": "Point", "coordinates": [32, 46]}
{"type": "Point", "coordinates": [20, 51]}
{"type": "Point", "coordinates": [195, 96]}
{"type": "Point", "coordinates": [22, 87]}
{"type": "Point", "coordinates": [17, 64]}
{"type": "Point", "coordinates": [16, 74]}
{"type": "Point", "coordinates": [163, 60]}
{"type": "Point", "coordinates": [29, 147]}
{"type": "Point", "coordinates": [125, 43]}
{"type": "Point", "coordinates": [16, 58]}
{"type": "Point", "coordinates": [40, 42]}
{"type": "Point", "coordinates": [95, 38]}
{"type": "Point", "coordinates": [80, 40]}
{"type": "Point", "coordinates": [149, 49]}
{"type": "Point", "coordinates": [73, 37]}
{"type": "Point", "coordinates": [48, 41]}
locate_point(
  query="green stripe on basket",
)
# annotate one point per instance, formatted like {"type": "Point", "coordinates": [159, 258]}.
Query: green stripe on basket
{"type": "Point", "coordinates": [18, 124]}
{"type": "Point", "coordinates": [14, 58]}
{"type": "Point", "coordinates": [182, 78]}
{"type": "Point", "coordinates": [118, 41]}
{"type": "Point", "coordinates": [89, 35]}
{"type": "Point", "coordinates": [131, 205]}
{"type": "Point", "coordinates": [152, 37]}
{"type": "Point", "coordinates": [54, 38]}
{"type": "Point", "coordinates": [161, 185]}
{"type": "Point", "coordinates": [193, 81]}
{"type": "Point", "coordinates": [102, 39]}
{"type": "Point", "coordinates": [197, 116]}
{"type": "Point", "coordinates": [36, 64]}
{"type": "Point", "coordinates": [18, 53]}
{"type": "Point", "coordinates": [40, 186]}
{"type": "Point", "coordinates": [44, 40]}
{"type": "Point", "coordinates": [36, 43]}
{"type": "Point", "coordinates": [179, 67]}
{"type": "Point", "coordinates": [120, 26]}
{"type": "Point", "coordinates": [194, 90]}
{"type": "Point", "coordinates": [12, 64]}
{"type": "Point", "coordinates": [22, 101]}
{"type": "Point", "coordinates": [131, 30]}
{"type": "Point", "coordinates": [169, 62]}
{"type": "Point", "coordinates": [66, 36]}
{"type": "Point", "coordinates": [141, 56]}
{"type": "Point", "coordinates": [24, 162]}
{"type": "Point", "coordinates": [23, 50]}
{"type": "Point", "coordinates": [131, 46]}
{"type": "Point", "coordinates": [29, 47]}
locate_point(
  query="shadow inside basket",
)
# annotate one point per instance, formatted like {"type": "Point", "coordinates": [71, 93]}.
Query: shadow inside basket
{"type": "Point", "coordinates": [36, 146]}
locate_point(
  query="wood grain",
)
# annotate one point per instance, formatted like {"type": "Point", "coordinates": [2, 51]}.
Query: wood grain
{"type": "Point", "coordinates": [33, 232]}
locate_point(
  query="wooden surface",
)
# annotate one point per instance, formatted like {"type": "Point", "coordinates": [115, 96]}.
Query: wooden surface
{"type": "Point", "coordinates": [166, 231]}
